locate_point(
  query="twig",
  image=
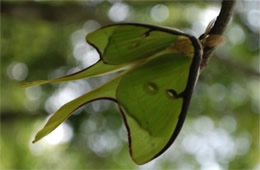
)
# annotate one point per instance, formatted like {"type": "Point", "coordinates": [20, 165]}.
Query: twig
{"type": "Point", "coordinates": [219, 27]}
{"type": "Point", "coordinates": [238, 66]}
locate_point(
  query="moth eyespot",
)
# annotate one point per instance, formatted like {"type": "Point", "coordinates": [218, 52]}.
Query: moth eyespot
{"type": "Point", "coordinates": [151, 87]}
{"type": "Point", "coordinates": [146, 34]}
{"type": "Point", "coordinates": [171, 93]}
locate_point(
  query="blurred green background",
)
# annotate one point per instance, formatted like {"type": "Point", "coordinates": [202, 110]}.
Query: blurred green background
{"type": "Point", "coordinates": [46, 39]}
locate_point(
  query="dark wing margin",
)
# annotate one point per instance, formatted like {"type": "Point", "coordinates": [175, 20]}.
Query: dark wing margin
{"type": "Point", "coordinates": [193, 76]}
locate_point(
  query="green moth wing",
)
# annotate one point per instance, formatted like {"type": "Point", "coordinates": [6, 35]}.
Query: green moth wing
{"type": "Point", "coordinates": [95, 70]}
{"type": "Point", "coordinates": [119, 44]}
{"type": "Point", "coordinates": [159, 67]}
{"type": "Point", "coordinates": [153, 97]}
{"type": "Point", "coordinates": [106, 91]}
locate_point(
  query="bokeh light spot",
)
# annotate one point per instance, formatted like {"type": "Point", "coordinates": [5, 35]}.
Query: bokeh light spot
{"type": "Point", "coordinates": [17, 71]}
{"type": "Point", "coordinates": [237, 94]}
{"type": "Point", "coordinates": [91, 25]}
{"type": "Point", "coordinates": [62, 134]}
{"type": "Point", "coordinates": [253, 18]}
{"type": "Point", "coordinates": [205, 16]}
{"type": "Point", "coordinates": [236, 35]}
{"type": "Point", "coordinates": [159, 13]}
{"type": "Point", "coordinates": [217, 92]}
{"type": "Point", "coordinates": [33, 93]}
{"type": "Point", "coordinates": [208, 15]}
{"type": "Point", "coordinates": [243, 142]}
{"type": "Point", "coordinates": [228, 123]}
{"type": "Point", "coordinates": [103, 144]}
{"type": "Point", "coordinates": [65, 94]}
{"type": "Point", "coordinates": [118, 12]}
{"type": "Point", "coordinates": [203, 125]}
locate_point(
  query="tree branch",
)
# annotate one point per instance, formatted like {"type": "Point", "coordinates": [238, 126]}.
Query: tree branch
{"type": "Point", "coordinates": [238, 66]}
{"type": "Point", "coordinates": [69, 12]}
{"type": "Point", "coordinates": [219, 27]}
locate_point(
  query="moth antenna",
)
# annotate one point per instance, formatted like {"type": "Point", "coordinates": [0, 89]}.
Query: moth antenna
{"type": "Point", "coordinates": [206, 33]}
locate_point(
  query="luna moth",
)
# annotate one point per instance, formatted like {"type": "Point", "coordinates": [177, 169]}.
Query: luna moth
{"type": "Point", "coordinates": [158, 69]}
